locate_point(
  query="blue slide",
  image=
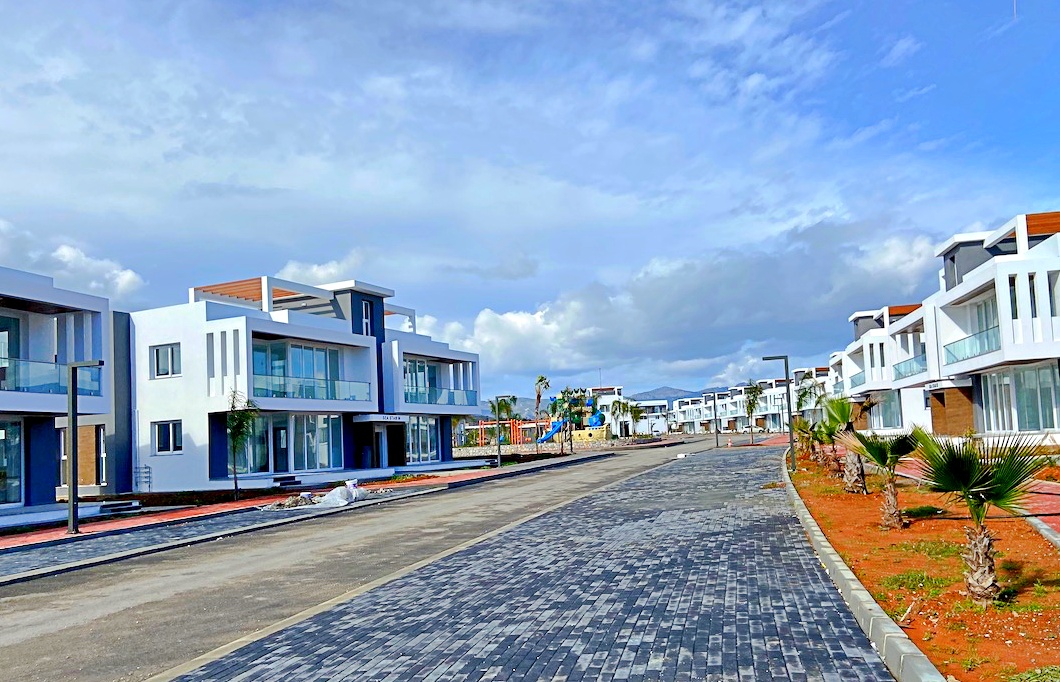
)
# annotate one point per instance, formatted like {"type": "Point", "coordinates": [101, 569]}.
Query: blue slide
{"type": "Point", "coordinates": [556, 426]}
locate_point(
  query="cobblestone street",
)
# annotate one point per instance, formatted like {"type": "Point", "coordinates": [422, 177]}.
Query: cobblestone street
{"type": "Point", "coordinates": [691, 571]}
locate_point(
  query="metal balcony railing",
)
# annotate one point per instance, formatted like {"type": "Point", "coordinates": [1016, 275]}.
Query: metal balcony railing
{"type": "Point", "coordinates": [910, 367]}
{"type": "Point", "coordinates": [269, 386]}
{"type": "Point", "coordinates": [972, 346]}
{"type": "Point", "coordinates": [441, 396]}
{"type": "Point", "coordinates": [31, 376]}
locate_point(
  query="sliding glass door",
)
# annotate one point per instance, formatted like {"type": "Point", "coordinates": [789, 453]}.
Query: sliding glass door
{"type": "Point", "coordinates": [10, 462]}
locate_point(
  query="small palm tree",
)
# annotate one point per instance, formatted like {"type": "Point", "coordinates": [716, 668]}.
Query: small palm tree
{"type": "Point", "coordinates": [503, 408]}
{"type": "Point", "coordinates": [541, 385]}
{"type": "Point", "coordinates": [980, 474]}
{"type": "Point", "coordinates": [886, 453]}
{"type": "Point", "coordinates": [839, 415]}
{"type": "Point", "coordinates": [808, 394]}
{"type": "Point", "coordinates": [242, 413]}
{"type": "Point", "coordinates": [804, 435]}
{"type": "Point", "coordinates": [636, 413]}
{"type": "Point", "coordinates": [752, 395]}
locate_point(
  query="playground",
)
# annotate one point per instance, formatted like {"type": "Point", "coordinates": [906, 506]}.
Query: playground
{"type": "Point", "coordinates": [585, 424]}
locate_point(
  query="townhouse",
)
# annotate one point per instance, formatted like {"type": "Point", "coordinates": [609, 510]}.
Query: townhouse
{"type": "Point", "coordinates": [981, 353]}
{"type": "Point", "coordinates": [864, 369]}
{"type": "Point", "coordinates": [42, 329]}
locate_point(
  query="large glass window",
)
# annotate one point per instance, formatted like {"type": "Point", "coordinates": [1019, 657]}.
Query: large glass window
{"type": "Point", "coordinates": [10, 462]}
{"type": "Point", "coordinates": [421, 444]}
{"type": "Point", "coordinates": [317, 442]}
{"type": "Point", "coordinates": [1025, 397]}
{"type": "Point", "coordinates": [887, 414]}
{"type": "Point", "coordinates": [986, 314]}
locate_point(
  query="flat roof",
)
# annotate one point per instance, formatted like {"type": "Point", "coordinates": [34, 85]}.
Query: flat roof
{"type": "Point", "coordinates": [357, 285]}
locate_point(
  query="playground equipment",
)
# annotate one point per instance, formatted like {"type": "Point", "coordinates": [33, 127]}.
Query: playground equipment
{"type": "Point", "coordinates": [556, 427]}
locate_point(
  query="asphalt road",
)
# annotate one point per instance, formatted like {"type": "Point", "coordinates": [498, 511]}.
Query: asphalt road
{"type": "Point", "coordinates": [133, 619]}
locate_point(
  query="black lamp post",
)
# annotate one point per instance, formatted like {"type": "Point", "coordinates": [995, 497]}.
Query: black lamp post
{"type": "Point", "coordinates": [787, 395]}
{"type": "Point", "coordinates": [71, 443]}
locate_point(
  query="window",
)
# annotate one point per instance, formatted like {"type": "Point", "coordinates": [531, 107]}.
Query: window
{"type": "Point", "coordinates": [1026, 397]}
{"type": "Point", "coordinates": [1054, 279]}
{"type": "Point", "coordinates": [169, 437]}
{"type": "Point", "coordinates": [986, 314]}
{"type": "Point", "coordinates": [421, 443]}
{"type": "Point", "coordinates": [888, 412]}
{"type": "Point", "coordinates": [317, 441]}
{"type": "Point", "coordinates": [1034, 297]}
{"type": "Point", "coordinates": [366, 318]}
{"type": "Point", "coordinates": [165, 360]}
{"type": "Point", "coordinates": [1012, 297]}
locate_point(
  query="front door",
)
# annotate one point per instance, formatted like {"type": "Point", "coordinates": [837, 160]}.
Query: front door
{"type": "Point", "coordinates": [279, 448]}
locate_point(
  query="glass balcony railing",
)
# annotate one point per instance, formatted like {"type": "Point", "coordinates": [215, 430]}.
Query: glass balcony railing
{"type": "Point", "coordinates": [441, 396]}
{"type": "Point", "coordinates": [838, 388]}
{"type": "Point", "coordinates": [908, 368]}
{"type": "Point", "coordinates": [30, 376]}
{"type": "Point", "coordinates": [981, 343]}
{"type": "Point", "coordinates": [857, 380]}
{"type": "Point", "coordinates": [267, 386]}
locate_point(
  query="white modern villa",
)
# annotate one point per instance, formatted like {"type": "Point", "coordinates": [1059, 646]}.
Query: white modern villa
{"type": "Point", "coordinates": [339, 394]}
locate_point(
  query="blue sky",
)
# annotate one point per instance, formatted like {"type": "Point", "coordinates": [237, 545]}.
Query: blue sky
{"type": "Point", "coordinates": [663, 190]}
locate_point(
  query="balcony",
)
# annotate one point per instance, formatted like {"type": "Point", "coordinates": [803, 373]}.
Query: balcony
{"type": "Point", "coordinates": [857, 380]}
{"type": "Point", "coordinates": [30, 376]}
{"type": "Point", "coordinates": [981, 343]}
{"type": "Point", "coordinates": [908, 368]}
{"type": "Point", "coordinates": [838, 388]}
{"type": "Point", "coordinates": [300, 388]}
{"type": "Point", "coordinates": [441, 396]}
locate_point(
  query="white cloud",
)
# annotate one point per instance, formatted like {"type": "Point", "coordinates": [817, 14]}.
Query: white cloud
{"type": "Point", "coordinates": [913, 93]}
{"type": "Point", "coordinates": [322, 273]}
{"type": "Point", "coordinates": [900, 50]}
{"type": "Point", "coordinates": [68, 264]}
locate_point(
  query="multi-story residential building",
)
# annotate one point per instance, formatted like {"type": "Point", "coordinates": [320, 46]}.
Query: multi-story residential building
{"type": "Point", "coordinates": [689, 414]}
{"type": "Point", "coordinates": [986, 345]}
{"type": "Point", "coordinates": [42, 329]}
{"type": "Point", "coordinates": [865, 369]}
{"type": "Point", "coordinates": [322, 369]}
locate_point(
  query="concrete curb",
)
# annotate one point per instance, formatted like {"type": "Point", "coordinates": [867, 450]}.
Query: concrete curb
{"type": "Point", "coordinates": [26, 576]}
{"type": "Point", "coordinates": [905, 661]}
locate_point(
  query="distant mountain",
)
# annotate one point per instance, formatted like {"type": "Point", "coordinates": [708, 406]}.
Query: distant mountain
{"type": "Point", "coordinates": [667, 393]}
{"type": "Point", "coordinates": [524, 407]}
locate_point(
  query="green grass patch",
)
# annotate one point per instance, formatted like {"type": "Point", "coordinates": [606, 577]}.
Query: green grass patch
{"type": "Point", "coordinates": [922, 512]}
{"type": "Point", "coordinates": [936, 549]}
{"type": "Point", "coordinates": [914, 581]}
{"type": "Point", "coordinates": [1048, 674]}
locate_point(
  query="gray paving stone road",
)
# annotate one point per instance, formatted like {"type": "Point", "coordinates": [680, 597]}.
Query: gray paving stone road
{"type": "Point", "coordinates": [29, 558]}
{"type": "Point", "coordinates": [692, 571]}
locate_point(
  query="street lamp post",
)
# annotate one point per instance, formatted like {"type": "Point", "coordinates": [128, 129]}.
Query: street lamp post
{"type": "Point", "coordinates": [717, 423]}
{"type": "Point", "coordinates": [787, 396]}
{"type": "Point", "coordinates": [497, 404]}
{"type": "Point", "coordinates": [71, 443]}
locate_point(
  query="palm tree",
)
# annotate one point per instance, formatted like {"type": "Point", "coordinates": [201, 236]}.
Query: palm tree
{"type": "Point", "coordinates": [980, 474]}
{"type": "Point", "coordinates": [242, 413]}
{"type": "Point", "coordinates": [619, 409]}
{"type": "Point", "coordinates": [808, 394]}
{"type": "Point", "coordinates": [804, 434]}
{"type": "Point", "coordinates": [884, 452]}
{"type": "Point", "coordinates": [840, 414]}
{"type": "Point", "coordinates": [540, 386]}
{"type": "Point", "coordinates": [555, 411]}
{"type": "Point", "coordinates": [636, 413]}
{"type": "Point", "coordinates": [503, 407]}
{"type": "Point", "coordinates": [752, 394]}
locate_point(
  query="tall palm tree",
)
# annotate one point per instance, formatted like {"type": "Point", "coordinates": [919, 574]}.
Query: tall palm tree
{"type": "Point", "coordinates": [981, 474]}
{"type": "Point", "coordinates": [886, 453]}
{"type": "Point", "coordinates": [636, 413]}
{"type": "Point", "coordinates": [541, 385]}
{"type": "Point", "coordinates": [619, 409]}
{"type": "Point", "coordinates": [555, 411]}
{"type": "Point", "coordinates": [752, 395]}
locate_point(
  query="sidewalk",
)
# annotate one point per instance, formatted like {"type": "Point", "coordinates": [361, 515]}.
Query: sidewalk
{"type": "Point", "coordinates": [48, 552]}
